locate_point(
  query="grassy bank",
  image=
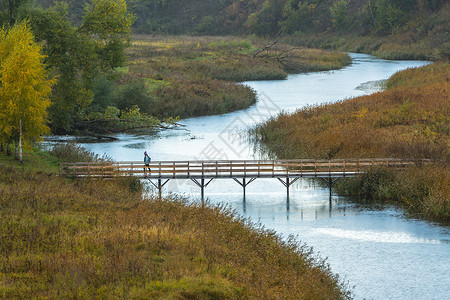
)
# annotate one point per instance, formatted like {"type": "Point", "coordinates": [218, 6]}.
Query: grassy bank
{"type": "Point", "coordinates": [398, 47]}
{"type": "Point", "coordinates": [91, 238]}
{"type": "Point", "coordinates": [410, 119]}
{"type": "Point", "coordinates": [193, 76]}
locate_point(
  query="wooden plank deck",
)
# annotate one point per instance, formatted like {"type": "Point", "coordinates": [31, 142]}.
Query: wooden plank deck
{"type": "Point", "coordinates": [233, 168]}
{"type": "Point", "coordinates": [243, 172]}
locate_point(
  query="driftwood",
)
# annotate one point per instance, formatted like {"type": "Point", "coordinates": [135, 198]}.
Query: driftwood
{"type": "Point", "coordinates": [280, 56]}
{"type": "Point", "coordinates": [97, 128]}
{"type": "Point", "coordinates": [266, 48]}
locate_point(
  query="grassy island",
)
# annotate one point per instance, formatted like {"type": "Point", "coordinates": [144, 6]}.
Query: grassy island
{"type": "Point", "coordinates": [189, 76]}
{"type": "Point", "coordinates": [409, 119]}
{"type": "Point", "coordinates": [64, 238]}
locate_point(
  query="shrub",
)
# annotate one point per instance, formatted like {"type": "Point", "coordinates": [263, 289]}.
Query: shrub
{"type": "Point", "coordinates": [71, 152]}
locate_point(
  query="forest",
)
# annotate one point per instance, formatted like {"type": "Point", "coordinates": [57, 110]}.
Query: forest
{"type": "Point", "coordinates": [268, 17]}
{"type": "Point", "coordinates": [88, 50]}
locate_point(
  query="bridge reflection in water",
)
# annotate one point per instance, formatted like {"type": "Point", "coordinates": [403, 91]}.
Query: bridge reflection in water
{"type": "Point", "coordinates": [244, 172]}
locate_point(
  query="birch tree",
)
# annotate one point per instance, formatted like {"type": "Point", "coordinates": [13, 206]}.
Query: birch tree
{"type": "Point", "coordinates": [24, 87]}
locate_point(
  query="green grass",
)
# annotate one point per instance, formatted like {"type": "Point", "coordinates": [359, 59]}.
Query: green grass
{"type": "Point", "coordinates": [33, 160]}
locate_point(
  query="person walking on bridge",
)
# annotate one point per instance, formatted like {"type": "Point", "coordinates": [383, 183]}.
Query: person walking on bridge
{"type": "Point", "coordinates": [147, 160]}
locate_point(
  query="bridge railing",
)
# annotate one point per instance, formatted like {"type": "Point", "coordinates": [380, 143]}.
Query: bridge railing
{"type": "Point", "coordinates": [232, 168]}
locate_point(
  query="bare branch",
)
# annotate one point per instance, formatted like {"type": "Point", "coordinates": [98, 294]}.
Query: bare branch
{"type": "Point", "coordinates": [279, 36]}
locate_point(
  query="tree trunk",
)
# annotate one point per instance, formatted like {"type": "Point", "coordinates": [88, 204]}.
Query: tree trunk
{"type": "Point", "coordinates": [20, 141]}
{"type": "Point", "coordinates": [1, 147]}
{"type": "Point", "coordinates": [16, 150]}
{"type": "Point", "coordinates": [8, 149]}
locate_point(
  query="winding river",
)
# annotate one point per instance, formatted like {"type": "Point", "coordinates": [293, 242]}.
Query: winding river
{"type": "Point", "coordinates": [377, 250]}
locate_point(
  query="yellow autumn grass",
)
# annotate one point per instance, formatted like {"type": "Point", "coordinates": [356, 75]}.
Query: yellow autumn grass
{"type": "Point", "coordinates": [100, 239]}
{"type": "Point", "coordinates": [409, 120]}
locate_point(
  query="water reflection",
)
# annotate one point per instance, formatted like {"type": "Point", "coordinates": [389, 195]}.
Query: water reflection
{"type": "Point", "coordinates": [382, 253]}
{"type": "Point", "coordinates": [375, 236]}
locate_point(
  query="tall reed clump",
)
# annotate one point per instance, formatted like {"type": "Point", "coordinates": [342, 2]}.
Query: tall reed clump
{"type": "Point", "coordinates": [101, 239]}
{"type": "Point", "coordinates": [422, 190]}
{"type": "Point", "coordinates": [409, 120]}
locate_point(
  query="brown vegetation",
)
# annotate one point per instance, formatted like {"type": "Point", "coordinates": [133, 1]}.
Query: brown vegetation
{"type": "Point", "coordinates": [410, 119]}
{"type": "Point", "coordinates": [88, 239]}
{"type": "Point", "coordinates": [193, 76]}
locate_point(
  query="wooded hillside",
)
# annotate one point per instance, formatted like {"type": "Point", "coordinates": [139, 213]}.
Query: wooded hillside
{"type": "Point", "coordinates": [410, 21]}
{"type": "Point", "coordinates": [268, 17]}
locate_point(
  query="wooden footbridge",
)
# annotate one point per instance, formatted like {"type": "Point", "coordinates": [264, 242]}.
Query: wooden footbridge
{"type": "Point", "coordinates": [243, 172]}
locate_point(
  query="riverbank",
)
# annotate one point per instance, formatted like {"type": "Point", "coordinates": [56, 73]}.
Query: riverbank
{"type": "Point", "coordinates": [396, 47]}
{"type": "Point", "coordinates": [189, 76]}
{"type": "Point", "coordinates": [409, 119]}
{"type": "Point", "coordinates": [82, 239]}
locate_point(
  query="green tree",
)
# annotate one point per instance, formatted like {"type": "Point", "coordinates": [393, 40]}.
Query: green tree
{"type": "Point", "coordinates": [338, 13]}
{"type": "Point", "coordinates": [24, 87]}
{"type": "Point", "coordinates": [388, 16]}
{"type": "Point", "coordinates": [297, 16]}
{"type": "Point", "coordinates": [72, 57]}
{"type": "Point", "coordinates": [109, 24]}
{"type": "Point", "coordinates": [9, 11]}
{"type": "Point", "coordinates": [265, 21]}
{"type": "Point", "coordinates": [78, 54]}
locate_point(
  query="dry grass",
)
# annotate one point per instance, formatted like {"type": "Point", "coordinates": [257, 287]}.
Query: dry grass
{"type": "Point", "coordinates": [410, 119]}
{"type": "Point", "coordinates": [100, 239]}
{"type": "Point", "coordinates": [193, 76]}
{"type": "Point", "coordinates": [224, 58]}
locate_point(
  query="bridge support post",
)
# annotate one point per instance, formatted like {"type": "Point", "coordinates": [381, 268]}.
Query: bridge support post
{"type": "Point", "coordinates": [288, 183]}
{"type": "Point", "coordinates": [244, 183]}
{"type": "Point", "coordinates": [159, 185]}
{"type": "Point", "coordinates": [202, 185]}
{"type": "Point", "coordinates": [330, 182]}
{"type": "Point", "coordinates": [203, 188]}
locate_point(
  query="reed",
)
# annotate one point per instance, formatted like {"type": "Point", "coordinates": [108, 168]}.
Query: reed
{"type": "Point", "coordinates": [92, 238]}
{"type": "Point", "coordinates": [409, 120]}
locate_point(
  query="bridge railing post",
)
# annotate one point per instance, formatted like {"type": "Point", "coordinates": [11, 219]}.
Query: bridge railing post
{"type": "Point", "coordinates": [315, 167]}
{"type": "Point", "coordinates": [345, 165]}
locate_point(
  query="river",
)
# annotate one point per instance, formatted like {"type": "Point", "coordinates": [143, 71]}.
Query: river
{"type": "Point", "coordinates": [377, 250]}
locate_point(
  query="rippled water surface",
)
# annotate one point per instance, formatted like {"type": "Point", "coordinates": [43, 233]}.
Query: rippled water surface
{"type": "Point", "coordinates": [376, 249]}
